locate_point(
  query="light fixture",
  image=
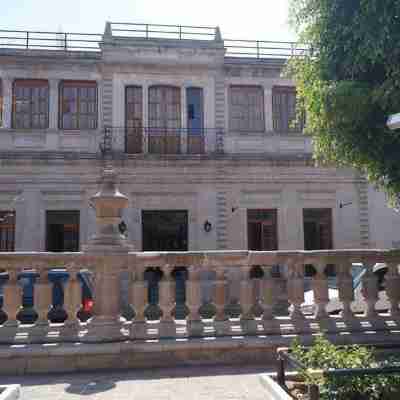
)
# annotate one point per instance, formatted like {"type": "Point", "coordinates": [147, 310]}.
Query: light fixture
{"type": "Point", "coordinates": [122, 227]}
{"type": "Point", "coordinates": [341, 205]}
{"type": "Point", "coordinates": [207, 226]}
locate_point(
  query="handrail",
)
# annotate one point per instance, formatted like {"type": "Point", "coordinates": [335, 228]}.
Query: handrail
{"type": "Point", "coordinates": [73, 41]}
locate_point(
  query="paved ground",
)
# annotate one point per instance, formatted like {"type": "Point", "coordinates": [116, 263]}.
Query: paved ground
{"type": "Point", "coordinates": [191, 383]}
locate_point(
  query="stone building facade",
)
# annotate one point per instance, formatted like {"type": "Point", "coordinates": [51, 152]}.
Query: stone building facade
{"type": "Point", "coordinates": [203, 141]}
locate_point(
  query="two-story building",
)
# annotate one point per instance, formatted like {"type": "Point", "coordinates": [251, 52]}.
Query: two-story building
{"type": "Point", "coordinates": [203, 135]}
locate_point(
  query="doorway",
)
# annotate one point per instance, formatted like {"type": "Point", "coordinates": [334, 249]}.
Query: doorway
{"type": "Point", "coordinates": [165, 230]}
{"type": "Point", "coordinates": [262, 230]}
{"type": "Point", "coordinates": [317, 224]}
{"type": "Point", "coordinates": [62, 230]}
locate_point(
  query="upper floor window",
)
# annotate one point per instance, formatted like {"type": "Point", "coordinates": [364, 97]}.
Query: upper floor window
{"type": "Point", "coordinates": [284, 110]}
{"type": "Point", "coordinates": [30, 104]}
{"type": "Point", "coordinates": [246, 109]}
{"type": "Point", "coordinates": [78, 105]}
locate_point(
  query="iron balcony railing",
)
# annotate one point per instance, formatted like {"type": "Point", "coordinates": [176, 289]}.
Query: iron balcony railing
{"type": "Point", "coordinates": [158, 140]}
{"type": "Point", "coordinates": [69, 41]}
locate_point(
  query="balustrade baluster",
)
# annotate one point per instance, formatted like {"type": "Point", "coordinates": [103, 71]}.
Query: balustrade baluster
{"type": "Point", "coordinates": [370, 290]}
{"type": "Point", "coordinates": [12, 299]}
{"type": "Point", "coordinates": [42, 299]}
{"type": "Point", "coordinates": [321, 292]}
{"type": "Point", "coordinates": [72, 299]}
{"type": "Point", "coordinates": [268, 295]}
{"type": "Point", "coordinates": [193, 296]}
{"type": "Point", "coordinates": [221, 322]}
{"type": "Point", "coordinates": [138, 298]}
{"type": "Point", "coordinates": [167, 301]}
{"type": "Point", "coordinates": [296, 292]}
{"type": "Point", "coordinates": [345, 285]}
{"type": "Point", "coordinates": [249, 325]}
{"type": "Point", "coordinates": [392, 282]}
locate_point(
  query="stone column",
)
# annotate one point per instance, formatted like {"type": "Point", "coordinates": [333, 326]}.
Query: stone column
{"type": "Point", "coordinates": [268, 109]}
{"type": "Point", "coordinates": [184, 132]}
{"type": "Point", "coordinates": [193, 296]}
{"type": "Point", "coordinates": [167, 301]}
{"type": "Point", "coordinates": [52, 136]}
{"type": "Point", "coordinates": [392, 281]}
{"type": "Point", "coordinates": [7, 102]}
{"type": "Point", "coordinates": [145, 118]}
{"type": "Point", "coordinates": [108, 251]}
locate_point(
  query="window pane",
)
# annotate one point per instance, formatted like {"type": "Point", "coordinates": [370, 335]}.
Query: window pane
{"type": "Point", "coordinates": [246, 108]}
{"type": "Point", "coordinates": [79, 105]}
{"type": "Point", "coordinates": [30, 104]}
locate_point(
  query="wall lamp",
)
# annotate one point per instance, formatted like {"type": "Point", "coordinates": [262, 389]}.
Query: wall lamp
{"type": "Point", "coordinates": [341, 205]}
{"type": "Point", "coordinates": [207, 226]}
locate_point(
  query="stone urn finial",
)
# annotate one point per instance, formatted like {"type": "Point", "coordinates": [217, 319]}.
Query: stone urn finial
{"type": "Point", "coordinates": [109, 203]}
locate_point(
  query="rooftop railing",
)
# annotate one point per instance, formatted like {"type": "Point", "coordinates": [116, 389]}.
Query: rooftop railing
{"type": "Point", "coordinates": [66, 41]}
{"type": "Point", "coordinates": [69, 41]}
{"type": "Point", "coordinates": [159, 31]}
{"type": "Point", "coordinates": [262, 49]}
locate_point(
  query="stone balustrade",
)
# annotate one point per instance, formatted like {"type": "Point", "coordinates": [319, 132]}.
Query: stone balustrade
{"type": "Point", "coordinates": [192, 295]}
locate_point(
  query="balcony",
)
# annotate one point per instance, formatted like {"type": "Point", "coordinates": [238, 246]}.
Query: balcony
{"type": "Point", "coordinates": [139, 140]}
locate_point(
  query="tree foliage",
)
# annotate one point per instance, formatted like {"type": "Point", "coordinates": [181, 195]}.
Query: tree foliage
{"type": "Point", "coordinates": [349, 83]}
{"type": "Point", "coordinates": [323, 355]}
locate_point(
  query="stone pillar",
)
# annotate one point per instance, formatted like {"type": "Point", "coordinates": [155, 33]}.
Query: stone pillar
{"type": "Point", "coordinates": [167, 301]}
{"type": "Point", "coordinates": [53, 103]}
{"type": "Point", "coordinates": [184, 132]}
{"type": "Point", "coordinates": [108, 251]}
{"type": "Point", "coordinates": [145, 118]}
{"type": "Point", "coordinates": [268, 109]}
{"type": "Point", "coordinates": [7, 102]}
{"type": "Point", "coordinates": [392, 281]}
{"type": "Point", "coordinates": [193, 296]}
{"type": "Point", "coordinates": [109, 203]}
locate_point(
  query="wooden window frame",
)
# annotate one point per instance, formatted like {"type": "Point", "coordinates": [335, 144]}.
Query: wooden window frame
{"type": "Point", "coordinates": [134, 131]}
{"type": "Point", "coordinates": [291, 125]}
{"type": "Point", "coordinates": [77, 85]}
{"type": "Point", "coordinates": [10, 227]}
{"type": "Point", "coordinates": [248, 128]}
{"type": "Point", "coordinates": [30, 84]}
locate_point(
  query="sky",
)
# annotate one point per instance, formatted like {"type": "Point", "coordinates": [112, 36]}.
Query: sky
{"type": "Point", "coordinates": [245, 19]}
